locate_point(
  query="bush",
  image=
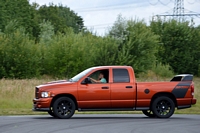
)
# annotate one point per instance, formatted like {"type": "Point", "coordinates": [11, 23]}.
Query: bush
{"type": "Point", "coordinates": [163, 70]}
{"type": "Point", "coordinates": [18, 55]}
{"type": "Point", "coordinates": [66, 55]}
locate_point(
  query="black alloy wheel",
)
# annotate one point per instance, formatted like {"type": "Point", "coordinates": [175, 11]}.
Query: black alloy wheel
{"type": "Point", "coordinates": [50, 112]}
{"type": "Point", "coordinates": [64, 108]}
{"type": "Point", "coordinates": [163, 107]}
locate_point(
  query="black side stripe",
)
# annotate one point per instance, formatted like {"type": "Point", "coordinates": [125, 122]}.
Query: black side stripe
{"type": "Point", "coordinates": [184, 84]}
{"type": "Point", "coordinates": [181, 89]}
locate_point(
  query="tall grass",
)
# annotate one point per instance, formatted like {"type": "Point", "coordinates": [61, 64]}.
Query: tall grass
{"type": "Point", "coordinates": [16, 96]}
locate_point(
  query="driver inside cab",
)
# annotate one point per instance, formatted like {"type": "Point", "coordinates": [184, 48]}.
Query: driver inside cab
{"type": "Point", "coordinates": [101, 79]}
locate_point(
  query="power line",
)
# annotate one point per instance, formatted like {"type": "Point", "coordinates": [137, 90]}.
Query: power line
{"type": "Point", "coordinates": [163, 2]}
{"type": "Point", "coordinates": [113, 7]}
{"type": "Point", "coordinates": [191, 1]}
{"type": "Point", "coordinates": [166, 2]}
{"type": "Point", "coordinates": [102, 27]}
{"type": "Point", "coordinates": [99, 25]}
{"type": "Point", "coordinates": [105, 6]}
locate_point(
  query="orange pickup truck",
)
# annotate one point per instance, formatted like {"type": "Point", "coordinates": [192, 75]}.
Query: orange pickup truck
{"type": "Point", "coordinates": [117, 90]}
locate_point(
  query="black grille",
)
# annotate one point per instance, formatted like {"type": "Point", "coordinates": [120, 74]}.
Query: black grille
{"type": "Point", "coordinates": [36, 92]}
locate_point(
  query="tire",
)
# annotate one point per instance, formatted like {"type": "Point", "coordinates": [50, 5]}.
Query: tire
{"type": "Point", "coordinates": [148, 113]}
{"type": "Point", "coordinates": [64, 108]}
{"type": "Point", "coordinates": [50, 112]}
{"type": "Point", "coordinates": [163, 107]}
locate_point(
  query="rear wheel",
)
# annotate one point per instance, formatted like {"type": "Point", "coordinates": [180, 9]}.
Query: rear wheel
{"type": "Point", "coordinates": [163, 107]}
{"type": "Point", "coordinates": [148, 113]}
{"type": "Point", "coordinates": [64, 108]}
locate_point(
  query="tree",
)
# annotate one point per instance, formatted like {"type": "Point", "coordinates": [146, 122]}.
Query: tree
{"type": "Point", "coordinates": [16, 10]}
{"type": "Point", "coordinates": [137, 45]}
{"type": "Point", "coordinates": [179, 45]}
{"type": "Point", "coordinates": [118, 30]}
{"type": "Point", "coordinates": [60, 17]}
{"type": "Point", "coordinates": [46, 33]}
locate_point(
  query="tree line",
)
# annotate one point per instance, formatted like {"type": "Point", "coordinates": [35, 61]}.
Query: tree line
{"type": "Point", "coordinates": [52, 40]}
{"type": "Point", "coordinates": [30, 16]}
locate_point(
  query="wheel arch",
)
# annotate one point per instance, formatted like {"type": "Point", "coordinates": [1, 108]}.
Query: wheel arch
{"type": "Point", "coordinates": [167, 94]}
{"type": "Point", "coordinates": [65, 95]}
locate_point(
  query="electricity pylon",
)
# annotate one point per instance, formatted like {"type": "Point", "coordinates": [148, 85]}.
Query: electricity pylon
{"type": "Point", "coordinates": [179, 12]}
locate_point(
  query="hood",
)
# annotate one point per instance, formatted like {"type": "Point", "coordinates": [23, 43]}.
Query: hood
{"type": "Point", "coordinates": [55, 84]}
{"type": "Point", "coordinates": [58, 81]}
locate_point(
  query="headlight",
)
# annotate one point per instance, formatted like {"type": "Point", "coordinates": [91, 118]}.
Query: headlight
{"type": "Point", "coordinates": [45, 94]}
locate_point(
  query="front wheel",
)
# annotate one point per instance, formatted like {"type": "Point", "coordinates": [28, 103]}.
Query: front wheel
{"type": "Point", "coordinates": [148, 113]}
{"type": "Point", "coordinates": [50, 112]}
{"type": "Point", "coordinates": [163, 107]}
{"type": "Point", "coordinates": [64, 108]}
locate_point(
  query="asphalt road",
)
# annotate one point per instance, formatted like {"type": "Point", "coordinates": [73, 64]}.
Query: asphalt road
{"type": "Point", "coordinates": [108, 123]}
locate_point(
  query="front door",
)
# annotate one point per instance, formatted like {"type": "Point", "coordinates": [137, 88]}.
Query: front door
{"type": "Point", "coordinates": [95, 94]}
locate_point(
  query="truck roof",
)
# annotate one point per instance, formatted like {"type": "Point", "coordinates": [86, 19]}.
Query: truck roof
{"type": "Point", "coordinates": [112, 67]}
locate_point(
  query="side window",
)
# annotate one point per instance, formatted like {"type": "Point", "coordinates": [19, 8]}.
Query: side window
{"type": "Point", "coordinates": [105, 72]}
{"type": "Point", "coordinates": [121, 76]}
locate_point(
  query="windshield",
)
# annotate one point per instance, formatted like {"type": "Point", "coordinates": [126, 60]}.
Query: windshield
{"type": "Point", "coordinates": [80, 75]}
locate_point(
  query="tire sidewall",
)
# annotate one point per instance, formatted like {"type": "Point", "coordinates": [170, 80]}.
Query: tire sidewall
{"type": "Point", "coordinates": [155, 102]}
{"type": "Point", "coordinates": [145, 112]}
{"type": "Point", "coordinates": [50, 112]}
{"type": "Point", "coordinates": [55, 108]}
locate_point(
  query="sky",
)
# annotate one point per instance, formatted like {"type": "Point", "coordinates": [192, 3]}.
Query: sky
{"type": "Point", "coordinates": [100, 15]}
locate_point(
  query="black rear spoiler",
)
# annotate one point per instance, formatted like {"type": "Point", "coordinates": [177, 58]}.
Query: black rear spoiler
{"type": "Point", "coordinates": [182, 77]}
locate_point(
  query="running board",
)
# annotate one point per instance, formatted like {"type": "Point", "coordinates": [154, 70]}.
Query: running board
{"type": "Point", "coordinates": [114, 109]}
{"type": "Point", "coordinates": [108, 109]}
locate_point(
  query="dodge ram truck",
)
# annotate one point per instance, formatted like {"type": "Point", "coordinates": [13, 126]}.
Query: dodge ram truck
{"type": "Point", "coordinates": [118, 92]}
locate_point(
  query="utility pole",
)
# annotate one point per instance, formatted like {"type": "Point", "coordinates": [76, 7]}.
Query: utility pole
{"type": "Point", "coordinates": [179, 12]}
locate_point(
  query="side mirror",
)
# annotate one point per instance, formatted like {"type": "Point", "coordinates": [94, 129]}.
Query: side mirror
{"type": "Point", "coordinates": [86, 80]}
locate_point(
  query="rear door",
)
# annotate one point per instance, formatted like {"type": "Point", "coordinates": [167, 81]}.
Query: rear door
{"type": "Point", "coordinates": [123, 90]}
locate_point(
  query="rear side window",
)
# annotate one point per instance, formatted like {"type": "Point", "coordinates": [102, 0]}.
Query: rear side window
{"type": "Point", "coordinates": [121, 76]}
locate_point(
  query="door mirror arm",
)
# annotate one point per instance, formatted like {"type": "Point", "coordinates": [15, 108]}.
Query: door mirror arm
{"type": "Point", "coordinates": [86, 81]}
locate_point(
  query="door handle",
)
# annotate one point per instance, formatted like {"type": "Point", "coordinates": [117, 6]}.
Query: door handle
{"type": "Point", "coordinates": [129, 86]}
{"type": "Point", "coordinates": [105, 87]}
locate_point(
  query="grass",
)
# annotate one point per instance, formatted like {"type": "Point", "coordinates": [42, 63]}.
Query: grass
{"type": "Point", "coordinates": [16, 97]}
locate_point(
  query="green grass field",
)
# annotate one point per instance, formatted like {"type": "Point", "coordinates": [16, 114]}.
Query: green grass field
{"type": "Point", "coordinates": [16, 97]}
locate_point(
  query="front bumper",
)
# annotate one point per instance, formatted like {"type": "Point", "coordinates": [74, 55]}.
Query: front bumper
{"type": "Point", "coordinates": [41, 104]}
{"type": "Point", "coordinates": [41, 109]}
